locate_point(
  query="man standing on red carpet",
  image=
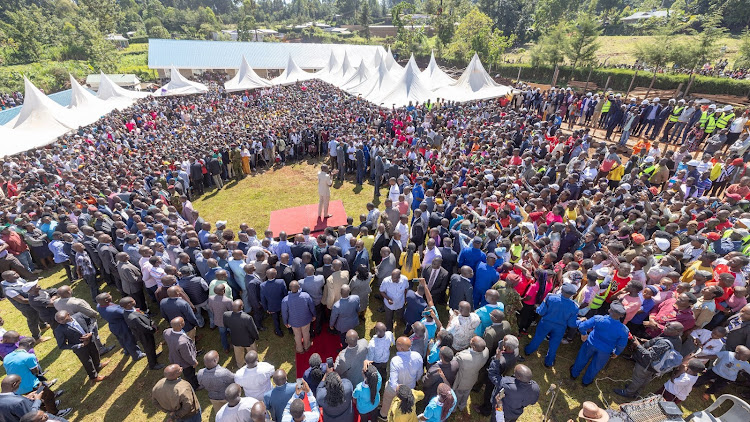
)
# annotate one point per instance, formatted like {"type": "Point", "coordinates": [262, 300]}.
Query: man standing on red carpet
{"type": "Point", "coordinates": [324, 191]}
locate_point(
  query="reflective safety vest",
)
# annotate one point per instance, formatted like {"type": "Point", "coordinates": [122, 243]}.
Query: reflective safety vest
{"type": "Point", "coordinates": [723, 121]}
{"type": "Point", "coordinates": [650, 170]}
{"type": "Point", "coordinates": [746, 250]}
{"type": "Point", "coordinates": [676, 114]}
{"type": "Point", "coordinates": [745, 240]}
{"type": "Point", "coordinates": [711, 124]}
{"type": "Point", "coordinates": [606, 106]}
{"type": "Point", "coordinates": [704, 117]}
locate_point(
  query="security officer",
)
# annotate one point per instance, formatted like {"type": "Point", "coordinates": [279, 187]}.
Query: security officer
{"type": "Point", "coordinates": [674, 116]}
{"type": "Point", "coordinates": [604, 337]}
{"type": "Point", "coordinates": [558, 312]}
{"type": "Point", "coordinates": [726, 117]}
{"type": "Point", "coordinates": [709, 124]}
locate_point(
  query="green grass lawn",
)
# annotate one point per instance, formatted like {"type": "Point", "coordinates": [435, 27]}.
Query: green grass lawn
{"type": "Point", "coordinates": [125, 396]}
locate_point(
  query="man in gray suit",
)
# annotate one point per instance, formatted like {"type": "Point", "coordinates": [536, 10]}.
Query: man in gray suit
{"type": "Point", "coordinates": [182, 350]}
{"type": "Point", "coordinates": [351, 360]}
{"type": "Point", "coordinates": [461, 288]}
{"type": "Point", "coordinates": [388, 263]}
{"type": "Point", "coordinates": [470, 361]}
{"type": "Point", "coordinates": [132, 280]}
{"type": "Point", "coordinates": [377, 171]}
{"type": "Point", "coordinates": [345, 313]}
{"type": "Point", "coordinates": [313, 284]}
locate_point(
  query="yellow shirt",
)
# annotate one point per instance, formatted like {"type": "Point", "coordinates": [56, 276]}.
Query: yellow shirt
{"type": "Point", "coordinates": [415, 264]}
{"type": "Point", "coordinates": [616, 173]}
{"type": "Point", "coordinates": [394, 413]}
{"type": "Point", "coordinates": [689, 273]}
{"type": "Point", "coordinates": [570, 215]}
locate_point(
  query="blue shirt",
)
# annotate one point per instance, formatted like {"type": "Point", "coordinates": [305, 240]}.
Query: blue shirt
{"type": "Point", "coordinates": [558, 310]}
{"type": "Point", "coordinates": [276, 399]}
{"type": "Point", "coordinates": [486, 276]}
{"type": "Point", "coordinates": [297, 309]}
{"type": "Point", "coordinates": [415, 304]}
{"type": "Point", "coordinates": [471, 257]}
{"type": "Point", "coordinates": [646, 307]}
{"type": "Point", "coordinates": [272, 292]}
{"type": "Point", "coordinates": [56, 247]}
{"type": "Point", "coordinates": [484, 317]}
{"type": "Point", "coordinates": [607, 335]}
{"type": "Point", "coordinates": [417, 196]}
{"type": "Point", "coordinates": [362, 395]}
{"type": "Point", "coordinates": [20, 362]}
{"type": "Point", "coordinates": [434, 409]}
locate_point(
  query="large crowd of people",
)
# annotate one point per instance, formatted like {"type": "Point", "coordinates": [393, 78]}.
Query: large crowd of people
{"type": "Point", "coordinates": [10, 99]}
{"type": "Point", "coordinates": [495, 227]}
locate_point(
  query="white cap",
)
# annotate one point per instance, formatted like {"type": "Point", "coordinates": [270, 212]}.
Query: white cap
{"type": "Point", "coordinates": [657, 99]}
{"type": "Point", "coordinates": [681, 101]}
{"type": "Point", "coordinates": [588, 94]}
{"type": "Point", "coordinates": [649, 159]}
{"type": "Point", "coordinates": [618, 95]}
{"type": "Point", "coordinates": [728, 108]}
{"type": "Point", "coordinates": [644, 102]}
{"type": "Point", "coordinates": [712, 107]}
{"type": "Point", "coordinates": [662, 243]}
{"type": "Point", "coordinates": [693, 163]}
{"type": "Point", "coordinates": [671, 101]}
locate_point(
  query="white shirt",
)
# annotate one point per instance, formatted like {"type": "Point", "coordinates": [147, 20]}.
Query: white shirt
{"type": "Point", "coordinates": [255, 381]}
{"type": "Point", "coordinates": [710, 346]}
{"type": "Point", "coordinates": [395, 291]}
{"type": "Point", "coordinates": [406, 368]}
{"type": "Point", "coordinates": [403, 229]}
{"type": "Point", "coordinates": [239, 413]}
{"type": "Point", "coordinates": [393, 193]}
{"type": "Point", "coordinates": [324, 184]}
{"type": "Point", "coordinates": [379, 348]}
{"type": "Point", "coordinates": [429, 256]}
{"type": "Point", "coordinates": [681, 386]}
{"type": "Point", "coordinates": [463, 329]}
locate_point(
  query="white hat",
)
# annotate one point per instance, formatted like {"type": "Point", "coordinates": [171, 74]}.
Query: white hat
{"type": "Point", "coordinates": [662, 243]}
{"type": "Point", "coordinates": [671, 101]}
{"type": "Point", "coordinates": [555, 186]}
{"type": "Point", "coordinates": [681, 101]}
{"type": "Point", "coordinates": [632, 100]}
{"type": "Point", "coordinates": [693, 163]}
{"type": "Point", "coordinates": [221, 223]}
{"type": "Point", "coordinates": [728, 108]}
{"type": "Point", "coordinates": [657, 99]}
{"type": "Point", "coordinates": [644, 102]}
{"type": "Point", "coordinates": [618, 95]}
{"type": "Point", "coordinates": [588, 94]}
{"type": "Point", "coordinates": [712, 107]}
{"type": "Point", "coordinates": [649, 159]}
{"type": "Point", "coordinates": [625, 186]}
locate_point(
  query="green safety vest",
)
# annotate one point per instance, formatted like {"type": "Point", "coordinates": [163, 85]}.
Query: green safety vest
{"type": "Point", "coordinates": [650, 170]}
{"type": "Point", "coordinates": [606, 106]}
{"type": "Point", "coordinates": [745, 240]}
{"type": "Point", "coordinates": [676, 114]}
{"type": "Point", "coordinates": [723, 121]}
{"type": "Point", "coordinates": [704, 116]}
{"type": "Point", "coordinates": [746, 250]}
{"type": "Point", "coordinates": [711, 124]}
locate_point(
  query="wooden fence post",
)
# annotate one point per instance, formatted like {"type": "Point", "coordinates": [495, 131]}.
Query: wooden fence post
{"type": "Point", "coordinates": [585, 87]}
{"type": "Point", "coordinates": [632, 81]}
{"type": "Point", "coordinates": [606, 85]}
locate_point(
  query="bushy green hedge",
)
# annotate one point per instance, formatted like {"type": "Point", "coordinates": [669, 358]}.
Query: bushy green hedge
{"type": "Point", "coordinates": [621, 78]}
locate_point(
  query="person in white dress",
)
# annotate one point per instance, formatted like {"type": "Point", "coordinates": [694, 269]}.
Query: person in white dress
{"type": "Point", "coordinates": [324, 191]}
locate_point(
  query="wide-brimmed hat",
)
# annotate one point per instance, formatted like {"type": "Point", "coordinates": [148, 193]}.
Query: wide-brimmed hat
{"type": "Point", "coordinates": [591, 412]}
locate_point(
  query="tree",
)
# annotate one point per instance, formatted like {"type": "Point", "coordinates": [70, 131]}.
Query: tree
{"type": "Point", "coordinates": [106, 14]}
{"type": "Point", "coordinates": [246, 24]}
{"type": "Point", "coordinates": [25, 32]}
{"type": "Point", "coordinates": [743, 55]}
{"type": "Point", "coordinates": [512, 17]}
{"type": "Point", "coordinates": [582, 44]}
{"type": "Point", "coordinates": [549, 48]}
{"type": "Point", "coordinates": [712, 32]}
{"type": "Point", "coordinates": [364, 19]}
{"type": "Point", "coordinates": [475, 34]}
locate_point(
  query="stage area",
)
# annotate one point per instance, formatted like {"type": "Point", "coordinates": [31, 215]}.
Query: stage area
{"type": "Point", "coordinates": [293, 220]}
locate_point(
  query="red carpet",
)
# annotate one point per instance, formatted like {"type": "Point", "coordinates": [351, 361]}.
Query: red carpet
{"type": "Point", "coordinates": [326, 345]}
{"type": "Point", "coordinates": [292, 220]}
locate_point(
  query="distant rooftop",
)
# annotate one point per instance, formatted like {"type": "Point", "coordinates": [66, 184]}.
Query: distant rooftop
{"type": "Point", "coordinates": [638, 16]}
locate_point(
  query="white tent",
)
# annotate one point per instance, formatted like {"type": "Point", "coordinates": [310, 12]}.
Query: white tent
{"type": "Point", "coordinates": [358, 77]}
{"type": "Point", "coordinates": [434, 77]}
{"type": "Point", "coordinates": [380, 80]}
{"type": "Point", "coordinates": [109, 90]}
{"type": "Point", "coordinates": [474, 84]}
{"type": "Point", "coordinates": [292, 74]}
{"type": "Point", "coordinates": [391, 64]}
{"type": "Point", "coordinates": [245, 79]}
{"type": "Point", "coordinates": [85, 105]}
{"type": "Point", "coordinates": [332, 65]}
{"type": "Point", "coordinates": [179, 85]}
{"type": "Point", "coordinates": [408, 88]}
{"type": "Point", "coordinates": [343, 73]}
{"type": "Point", "coordinates": [376, 59]}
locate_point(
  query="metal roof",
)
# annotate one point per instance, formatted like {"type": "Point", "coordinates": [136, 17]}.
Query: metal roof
{"type": "Point", "coordinates": [122, 79]}
{"type": "Point", "coordinates": [193, 54]}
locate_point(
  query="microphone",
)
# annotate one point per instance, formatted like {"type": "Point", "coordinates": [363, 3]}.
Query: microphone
{"type": "Point", "coordinates": [552, 387]}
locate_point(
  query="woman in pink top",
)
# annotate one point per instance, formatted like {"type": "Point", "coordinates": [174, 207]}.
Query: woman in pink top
{"type": "Point", "coordinates": [631, 300]}
{"type": "Point", "coordinates": [555, 216]}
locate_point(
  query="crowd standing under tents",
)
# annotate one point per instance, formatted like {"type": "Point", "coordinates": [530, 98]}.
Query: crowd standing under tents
{"type": "Point", "coordinates": [508, 212]}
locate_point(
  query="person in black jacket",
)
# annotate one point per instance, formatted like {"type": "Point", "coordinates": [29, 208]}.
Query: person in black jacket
{"type": "Point", "coordinates": [14, 406]}
{"type": "Point", "coordinates": [75, 332]}
{"type": "Point", "coordinates": [143, 330]}
{"type": "Point", "coordinates": [196, 176]}
{"type": "Point", "coordinates": [242, 331]}
{"type": "Point", "coordinates": [214, 168]}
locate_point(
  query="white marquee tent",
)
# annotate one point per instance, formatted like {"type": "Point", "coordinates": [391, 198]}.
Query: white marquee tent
{"type": "Point", "coordinates": [292, 74]}
{"type": "Point", "coordinates": [180, 85]}
{"type": "Point", "coordinates": [434, 77]}
{"type": "Point", "coordinates": [245, 79]}
{"type": "Point", "coordinates": [361, 75]}
{"type": "Point", "coordinates": [407, 89]}
{"type": "Point", "coordinates": [474, 84]}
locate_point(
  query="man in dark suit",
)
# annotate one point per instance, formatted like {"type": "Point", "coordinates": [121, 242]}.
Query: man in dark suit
{"type": "Point", "coordinates": [115, 317]}
{"type": "Point", "coordinates": [300, 246]}
{"type": "Point", "coordinates": [461, 287]}
{"type": "Point", "coordinates": [360, 256]}
{"type": "Point", "coordinates": [377, 171]}
{"type": "Point", "coordinates": [90, 243]}
{"type": "Point", "coordinates": [143, 330]}
{"type": "Point", "coordinates": [107, 254]}
{"type": "Point", "coordinates": [196, 177]}
{"type": "Point", "coordinates": [449, 256]}
{"type": "Point", "coordinates": [75, 333]}
{"type": "Point", "coordinates": [437, 279]}
{"type": "Point", "coordinates": [327, 269]}
{"type": "Point", "coordinates": [173, 306]}
{"type": "Point", "coordinates": [132, 280]}
{"type": "Point", "coordinates": [284, 269]}
{"type": "Point", "coordinates": [381, 239]}
{"type": "Point", "coordinates": [14, 406]}
{"type": "Point", "coordinates": [242, 331]}
{"type": "Point", "coordinates": [182, 350]}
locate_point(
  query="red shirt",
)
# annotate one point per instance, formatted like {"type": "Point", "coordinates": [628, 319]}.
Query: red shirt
{"type": "Point", "coordinates": [668, 312]}
{"type": "Point", "coordinates": [16, 245]}
{"type": "Point", "coordinates": [620, 284]}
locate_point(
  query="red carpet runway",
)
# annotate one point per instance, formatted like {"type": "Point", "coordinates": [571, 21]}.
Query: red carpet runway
{"type": "Point", "coordinates": [292, 220]}
{"type": "Point", "coordinates": [326, 345]}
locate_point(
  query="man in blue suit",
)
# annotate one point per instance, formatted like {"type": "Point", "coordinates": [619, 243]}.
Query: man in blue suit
{"type": "Point", "coordinates": [115, 317]}
{"type": "Point", "coordinates": [605, 336]}
{"type": "Point", "coordinates": [345, 313]}
{"type": "Point", "coordinates": [558, 312]}
{"type": "Point", "coordinates": [472, 256]}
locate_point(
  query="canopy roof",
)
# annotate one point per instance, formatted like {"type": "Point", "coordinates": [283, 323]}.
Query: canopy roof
{"type": "Point", "coordinates": [179, 85]}
{"type": "Point", "coordinates": [292, 74]}
{"type": "Point", "coordinates": [434, 77]}
{"type": "Point", "coordinates": [245, 79]}
{"type": "Point", "coordinates": [474, 84]}
{"type": "Point", "coordinates": [407, 89]}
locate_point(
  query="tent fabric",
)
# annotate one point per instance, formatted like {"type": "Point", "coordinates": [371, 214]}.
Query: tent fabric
{"type": "Point", "coordinates": [108, 90]}
{"type": "Point", "coordinates": [407, 89]}
{"type": "Point", "coordinates": [332, 65]}
{"type": "Point", "coordinates": [361, 75]}
{"type": "Point", "coordinates": [85, 105]}
{"type": "Point", "coordinates": [179, 85]}
{"type": "Point", "coordinates": [474, 84]}
{"type": "Point", "coordinates": [292, 74]}
{"type": "Point", "coordinates": [245, 79]}
{"type": "Point", "coordinates": [381, 80]}
{"type": "Point", "coordinates": [342, 73]}
{"type": "Point", "coordinates": [434, 77]}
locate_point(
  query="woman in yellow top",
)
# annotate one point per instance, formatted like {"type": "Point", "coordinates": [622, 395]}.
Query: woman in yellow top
{"type": "Point", "coordinates": [403, 408]}
{"type": "Point", "coordinates": [615, 175]}
{"type": "Point", "coordinates": [410, 262]}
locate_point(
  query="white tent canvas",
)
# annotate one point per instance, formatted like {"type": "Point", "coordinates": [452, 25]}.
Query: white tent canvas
{"type": "Point", "coordinates": [360, 76]}
{"type": "Point", "coordinates": [380, 80]}
{"type": "Point", "coordinates": [179, 85]}
{"type": "Point", "coordinates": [474, 84]}
{"type": "Point", "coordinates": [434, 77]}
{"type": "Point", "coordinates": [109, 90]}
{"type": "Point", "coordinates": [390, 62]}
{"type": "Point", "coordinates": [343, 73]}
{"type": "Point", "coordinates": [408, 88]}
{"type": "Point", "coordinates": [245, 79]}
{"type": "Point", "coordinates": [85, 105]}
{"type": "Point", "coordinates": [330, 67]}
{"type": "Point", "coordinates": [292, 74]}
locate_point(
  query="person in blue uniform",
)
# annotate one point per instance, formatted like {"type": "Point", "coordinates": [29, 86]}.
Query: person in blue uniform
{"type": "Point", "coordinates": [115, 316]}
{"type": "Point", "coordinates": [605, 336]}
{"type": "Point", "coordinates": [472, 256]}
{"type": "Point", "coordinates": [485, 277]}
{"type": "Point", "coordinates": [558, 312]}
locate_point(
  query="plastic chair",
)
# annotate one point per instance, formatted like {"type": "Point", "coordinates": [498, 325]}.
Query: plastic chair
{"type": "Point", "coordinates": [739, 412]}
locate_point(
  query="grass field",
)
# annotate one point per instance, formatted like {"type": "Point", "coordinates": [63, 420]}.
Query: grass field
{"type": "Point", "coordinates": [125, 396]}
{"type": "Point", "coordinates": [621, 49]}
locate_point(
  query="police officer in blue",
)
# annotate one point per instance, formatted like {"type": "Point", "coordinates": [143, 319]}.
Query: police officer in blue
{"type": "Point", "coordinates": [558, 312]}
{"type": "Point", "coordinates": [605, 336]}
